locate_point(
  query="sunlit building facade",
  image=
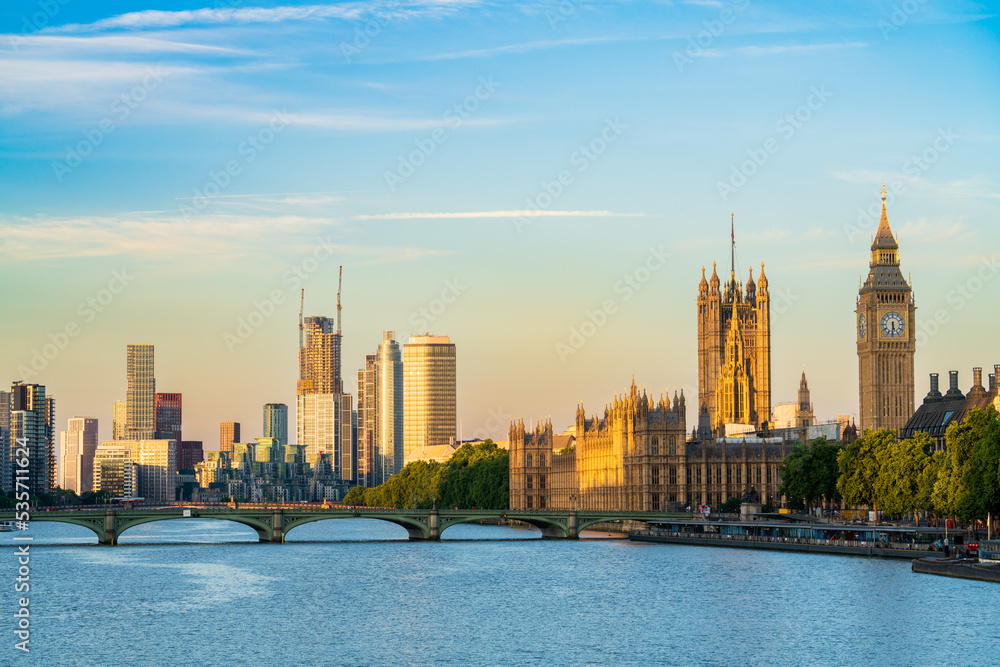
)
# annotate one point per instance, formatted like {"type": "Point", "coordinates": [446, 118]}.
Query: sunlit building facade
{"type": "Point", "coordinates": [429, 406]}
{"type": "Point", "coordinates": [77, 446]}
{"type": "Point", "coordinates": [140, 398]}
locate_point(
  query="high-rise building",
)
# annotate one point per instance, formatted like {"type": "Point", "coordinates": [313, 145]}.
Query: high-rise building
{"type": "Point", "coordinates": [119, 418]}
{"type": "Point", "coordinates": [77, 446]}
{"type": "Point", "coordinates": [324, 428]}
{"type": "Point", "coordinates": [380, 413]}
{"type": "Point", "coordinates": [323, 410]}
{"type": "Point", "coordinates": [366, 412]}
{"type": "Point", "coordinates": [167, 425]}
{"type": "Point", "coordinates": [156, 466]}
{"type": "Point", "coordinates": [229, 434]}
{"type": "Point", "coordinates": [32, 419]}
{"type": "Point", "coordinates": [429, 414]}
{"type": "Point", "coordinates": [6, 454]}
{"type": "Point", "coordinates": [886, 336]}
{"type": "Point", "coordinates": [140, 399]}
{"type": "Point", "coordinates": [191, 453]}
{"type": "Point", "coordinates": [114, 470]}
{"type": "Point", "coordinates": [734, 349]}
{"type": "Point", "coordinates": [276, 422]}
{"type": "Point", "coordinates": [319, 357]}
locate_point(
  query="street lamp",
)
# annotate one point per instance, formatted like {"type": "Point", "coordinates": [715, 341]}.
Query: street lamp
{"type": "Point", "coordinates": [572, 502]}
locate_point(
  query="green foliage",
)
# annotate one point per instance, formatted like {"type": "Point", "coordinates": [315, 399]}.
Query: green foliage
{"type": "Point", "coordinates": [859, 467]}
{"type": "Point", "coordinates": [474, 476]}
{"type": "Point", "coordinates": [981, 488]}
{"type": "Point", "coordinates": [901, 465]}
{"type": "Point", "coordinates": [731, 506]}
{"type": "Point", "coordinates": [809, 473]}
{"type": "Point", "coordinates": [900, 477]}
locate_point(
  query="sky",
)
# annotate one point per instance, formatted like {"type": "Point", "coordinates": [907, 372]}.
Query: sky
{"type": "Point", "coordinates": [540, 181]}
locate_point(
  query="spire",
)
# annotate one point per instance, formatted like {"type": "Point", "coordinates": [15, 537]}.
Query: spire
{"type": "Point", "coordinates": [883, 237]}
{"type": "Point", "coordinates": [732, 247]}
{"type": "Point", "coordinates": [703, 285]}
{"type": "Point", "coordinates": [715, 278]}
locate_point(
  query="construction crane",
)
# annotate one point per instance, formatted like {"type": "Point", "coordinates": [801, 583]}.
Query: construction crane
{"type": "Point", "coordinates": [340, 281]}
{"type": "Point", "coordinates": [302, 305]}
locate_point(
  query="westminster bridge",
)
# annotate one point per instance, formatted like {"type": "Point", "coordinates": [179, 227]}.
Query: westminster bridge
{"type": "Point", "coordinates": [273, 523]}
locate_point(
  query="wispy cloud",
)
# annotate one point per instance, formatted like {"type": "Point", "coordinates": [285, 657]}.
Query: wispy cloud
{"type": "Point", "coordinates": [524, 47]}
{"type": "Point", "coordinates": [470, 215]}
{"type": "Point", "coordinates": [54, 45]}
{"type": "Point", "coordinates": [157, 19]}
{"type": "Point", "coordinates": [167, 236]}
{"type": "Point", "coordinates": [779, 49]}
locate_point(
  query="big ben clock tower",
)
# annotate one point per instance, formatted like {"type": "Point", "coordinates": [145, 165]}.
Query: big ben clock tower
{"type": "Point", "coordinates": [886, 336]}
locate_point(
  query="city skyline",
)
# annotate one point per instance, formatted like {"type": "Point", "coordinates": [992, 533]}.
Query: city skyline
{"type": "Point", "coordinates": [651, 180]}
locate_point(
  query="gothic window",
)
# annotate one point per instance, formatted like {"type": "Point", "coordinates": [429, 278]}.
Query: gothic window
{"type": "Point", "coordinates": [529, 503]}
{"type": "Point", "coordinates": [672, 445]}
{"type": "Point", "coordinates": [541, 481]}
{"type": "Point", "coordinates": [654, 446]}
{"type": "Point", "coordinates": [528, 461]}
{"type": "Point", "coordinates": [541, 460]}
{"type": "Point", "coordinates": [697, 474]}
{"type": "Point", "coordinates": [729, 474]}
{"type": "Point", "coordinates": [528, 482]}
{"type": "Point", "coordinates": [673, 475]}
{"type": "Point", "coordinates": [690, 476]}
{"type": "Point", "coordinates": [718, 474]}
{"type": "Point", "coordinates": [655, 474]}
{"type": "Point", "coordinates": [655, 505]}
{"type": "Point", "coordinates": [541, 502]}
{"type": "Point", "coordinates": [739, 475]}
{"type": "Point", "coordinates": [768, 474]}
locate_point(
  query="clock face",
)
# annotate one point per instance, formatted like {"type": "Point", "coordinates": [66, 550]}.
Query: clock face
{"type": "Point", "coordinates": [862, 326]}
{"type": "Point", "coordinates": [892, 324]}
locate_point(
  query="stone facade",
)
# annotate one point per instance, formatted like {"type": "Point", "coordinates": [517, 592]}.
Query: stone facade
{"type": "Point", "coordinates": [635, 458]}
{"type": "Point", "coordinates": [734, 350]}
{"type": "Point", "coordinates": [886, 336]}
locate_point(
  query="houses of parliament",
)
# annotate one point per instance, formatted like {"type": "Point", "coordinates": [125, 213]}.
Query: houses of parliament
{"type": "Point", "coordinates": [639, 454]}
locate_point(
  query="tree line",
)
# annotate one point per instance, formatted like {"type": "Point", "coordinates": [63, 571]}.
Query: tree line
{"type": "Point", "coordinates": [904, 476]}
{"type": "Point", "coordinates": [475, 476]}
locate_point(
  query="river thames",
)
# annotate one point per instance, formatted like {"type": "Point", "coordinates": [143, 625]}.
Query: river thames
{"type": "Point", "coordinates": [355, 592]}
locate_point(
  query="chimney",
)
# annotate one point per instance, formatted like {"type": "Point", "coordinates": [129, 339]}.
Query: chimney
{"type": "Point", "coordinates": [933, 395]}
{"type": "Point", "coordinates": [977, 377]}
{"type": "Point", "coordinates": [996, 373]}
{"type": "Point", "coordinates": [993, 381]}
{"type": "Point", "coordinates": [953, 391]}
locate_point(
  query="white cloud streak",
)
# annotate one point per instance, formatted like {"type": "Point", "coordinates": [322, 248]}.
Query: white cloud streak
{"type": "Point", "coordinates": [469, 215]}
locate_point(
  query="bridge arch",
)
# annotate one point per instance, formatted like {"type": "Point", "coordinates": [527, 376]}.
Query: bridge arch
{"type": "Point", "coordinates": [415, 530]}
{"type": "Point", "coordinates": [95, 524]}
{"type": "Point", "coordinates": [262, 528]}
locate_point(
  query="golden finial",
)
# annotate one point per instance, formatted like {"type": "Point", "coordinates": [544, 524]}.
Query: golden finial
{"type": "Point", "coordinates": [883, 192]}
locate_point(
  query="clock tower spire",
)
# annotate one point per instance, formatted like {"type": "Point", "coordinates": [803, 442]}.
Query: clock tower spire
{"type": "Point", "coordinates": [886, 337]}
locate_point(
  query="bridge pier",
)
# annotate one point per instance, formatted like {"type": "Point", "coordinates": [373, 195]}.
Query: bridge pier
{"type": "Point", "coordinates": [110, 521]}
{"type": "Point", "coordinates": [572, 533]}
{"type": "Point", "coordinates": [277, 526]}
{"type": "Point", "coordinates": [433, 530]}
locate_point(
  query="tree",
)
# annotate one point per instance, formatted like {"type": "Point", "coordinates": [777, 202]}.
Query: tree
{"type": "Point", "coordinates": [809, 473]}
{"type": "Point", "coordinates": [900, 466]}
{"type": "Point", "coordinates": [859, 467]}
{"type": "Point", "coordinates": [981, 489]}
{"type": "Point", "coordinates": [731, 506]}
{"type": "Point", "coordinates": [474, 476]}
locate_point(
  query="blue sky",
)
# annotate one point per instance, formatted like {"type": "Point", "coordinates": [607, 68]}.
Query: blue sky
{"type": "Point", "coordinates": [220, 156]}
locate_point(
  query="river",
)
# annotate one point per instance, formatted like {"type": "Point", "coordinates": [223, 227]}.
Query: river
{"type": "Point", "coordinates": [355, 592]}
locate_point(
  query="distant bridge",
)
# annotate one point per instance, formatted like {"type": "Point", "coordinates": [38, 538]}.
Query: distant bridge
{"type": "Point", "coordinates": [273, 523]}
